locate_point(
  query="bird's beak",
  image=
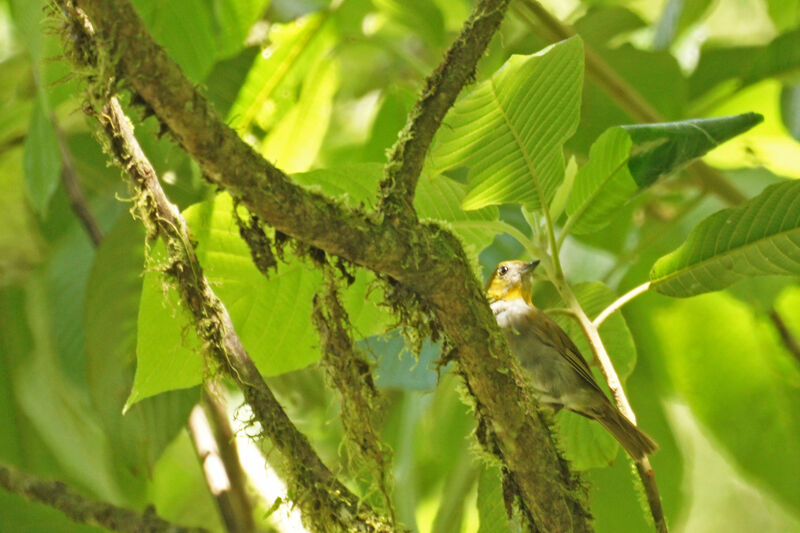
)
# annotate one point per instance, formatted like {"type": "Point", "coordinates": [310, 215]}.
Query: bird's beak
{"type": "Point", "coordinates": [530, 267]}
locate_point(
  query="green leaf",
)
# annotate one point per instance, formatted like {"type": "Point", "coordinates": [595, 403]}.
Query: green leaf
{"type": "Point", "coordinates": [271, 316]}
{"type": "Point", "coordinates": [280, 68]}
{"type": "Point", "coordinates": [440, 198]}
{"type": "Point", "coordinates": [586, 444]}
{"type": "Point", "coordinates": [626, 159]}
{"type": "Point", "coordinates": [728, 365]}
{"type": "Point", "coordinates": [112, 300]}
{"type": "Point", "coordinates": [724, 70]}
{"type": "Point", "coordinates": [422, 17]}
{"type": "Point", "coordinates": [491, 509]}
{"type": "Point", "coordinates": [235, 18]}
{"type": "Point", "coordinates": [510, 129]}
{"type": "Point", "coordinates": [184, 29]}
{"type": "Point", "coordinates": [790, 109]}
{"type": "Point", "coordinates": [355, 184]}
{"type": "Point", "coordinates": [168, 352]}
{"type": "Point", "coordinates": [602, 185]}
{"type": "Point", "coordinates": [760, 237]}
{"type": "Point", "coordinates": [42, 160]}
{"type": "Point", "coordinates": [295, 140]}
{"type": "Point", "coordinates": [59, 411]}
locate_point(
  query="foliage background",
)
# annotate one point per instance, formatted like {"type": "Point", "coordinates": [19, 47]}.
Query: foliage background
{"type": "Point", "coordinates": [312, 86]}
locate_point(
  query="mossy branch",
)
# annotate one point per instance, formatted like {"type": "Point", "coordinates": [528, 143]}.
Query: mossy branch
{"type": "Point", "coordinates": [84, 510]}
{"type": "Point", "coordinates": [441, 88]}
{"type": "Point", "coordinates": [424, 257]}
{"type": "Point", "coordinates": [351, 375]}
{"type": "Point", "coordinates": [325, 503]}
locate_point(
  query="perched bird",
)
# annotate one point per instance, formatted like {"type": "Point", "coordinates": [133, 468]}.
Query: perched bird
{"type": "Point", "coordinates": [559, 373]}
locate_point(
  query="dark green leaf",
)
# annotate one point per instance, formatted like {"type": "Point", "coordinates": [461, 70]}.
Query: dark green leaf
{"type": "Point", "coordinates": [626, 159]}
{"type": "Point", "coordinates": [185, 29]}
{"type": "Point", "coordinates": [586, 444]}
{"type": "Point", "coordinates": [661, 148]}
{"type": "Point", "coordinates": [42, 158]}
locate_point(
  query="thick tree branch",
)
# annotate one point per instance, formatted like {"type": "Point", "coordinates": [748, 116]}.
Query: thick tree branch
{"type": "Point", "coordinates": [84, 510]}
{"type": "Point", "coordinates": [424, 257]}
{"type": "Point", "coordinates": [441, 89]}
{"type": "Point", "coordinates": [325, 503]}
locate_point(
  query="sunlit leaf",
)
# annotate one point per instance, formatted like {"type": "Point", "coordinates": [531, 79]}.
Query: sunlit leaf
{"type": "Point", "coordinates": [280, 68]}
{"type": "Point", "coordinates": [742, 386]}
{"type": "Point", "coordinates": [510, 129]}
{"type": "Point", "coordinates": [761, 237]}
{"type": "Point", "coordinates": [295, 140]}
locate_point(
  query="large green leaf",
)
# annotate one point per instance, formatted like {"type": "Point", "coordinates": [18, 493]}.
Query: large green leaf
{"type": "Point", "coordinates": [418, 16]}
{"type": "Point", "coordinates": [42, 158]}
{"type": "Point", "coordinates": [272, 316]}
{"type": "Point", "coordinates": [295, 140]}
{"type": "Point", "coordinates": [271, 84]}
{"type": "Point", "coordinates": [740, 383]}
{"type": "Point", "coordinates": [439, 198]}
{"type": "Point", "coordinates": [510, 129]}
{"type": "Point", "coordinates": [235, 18]}
{"type": "Point", "coordinates": [626, 159]}
{"type": "Point", "coordinates": [760, 237]}
{"type": "Point", "coordinates": [724, 70]}
{"type": "Point", "coordinates": [185, 29]}
{"type": "Point", "coordinates": [112, 300]}
{"type": "Point", "coordinates": [586, 444]}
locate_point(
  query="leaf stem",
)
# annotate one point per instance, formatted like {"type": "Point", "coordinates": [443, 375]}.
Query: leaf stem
{"type": "Point", "coordinates": [622, 300]}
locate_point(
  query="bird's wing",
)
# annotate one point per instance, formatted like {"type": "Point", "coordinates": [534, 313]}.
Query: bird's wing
{"type": "Point", "coordinates": [553, 335]}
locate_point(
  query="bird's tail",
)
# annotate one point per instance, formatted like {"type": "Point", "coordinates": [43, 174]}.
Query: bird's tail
{"type": "Point", "coordinates": [634, 440]}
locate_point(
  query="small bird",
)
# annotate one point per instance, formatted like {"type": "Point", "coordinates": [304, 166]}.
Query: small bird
{"type": "Point", "coordinates": [559, 373]}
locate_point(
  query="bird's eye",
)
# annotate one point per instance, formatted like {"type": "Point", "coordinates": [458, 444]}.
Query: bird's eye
{"type": "Point", "coordinates": [502, 270]}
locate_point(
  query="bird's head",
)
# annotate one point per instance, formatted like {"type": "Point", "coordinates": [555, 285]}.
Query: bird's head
{"type": "Point", "coordinates": [511, 280]}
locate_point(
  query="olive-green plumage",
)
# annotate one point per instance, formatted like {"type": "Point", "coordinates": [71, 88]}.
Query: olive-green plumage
{"type": "Point", "coordinates": [559, 373]}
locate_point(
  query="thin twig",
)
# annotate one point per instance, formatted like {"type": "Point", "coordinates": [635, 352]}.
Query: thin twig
{"type": "Point", "coordinates": [229, 454]}
{"type": "Point", "coordinates": [619, 302]}
{"type": "Point", "coordinates": [643, 467]}
{"type": "Point", "coordinates": [789, 340]}
{"type": "Point", "coordinates": [625, 95]}
{"type": "Point", "coordinates": [216, 473]}
{"type": "Point", "coordinates": [441, 88]}
{"type": "Point", "coordinates": [84, 510]}
{"type": "Point", "coordinates": [72, 186]}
